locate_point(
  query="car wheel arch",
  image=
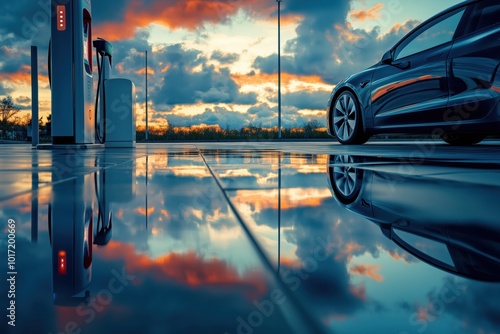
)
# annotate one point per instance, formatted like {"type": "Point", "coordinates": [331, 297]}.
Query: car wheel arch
{"type": "Point", "coordinates": [353, 92]}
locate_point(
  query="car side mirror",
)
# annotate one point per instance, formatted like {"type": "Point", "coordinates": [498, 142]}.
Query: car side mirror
{"type": "Point", "coordinates": [387, 58]}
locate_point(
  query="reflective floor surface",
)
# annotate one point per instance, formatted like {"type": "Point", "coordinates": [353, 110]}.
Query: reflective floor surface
{"type": "Point", "coordinates": [251, 238]}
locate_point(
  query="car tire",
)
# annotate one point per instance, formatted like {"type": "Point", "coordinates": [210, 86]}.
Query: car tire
{"type": "Point", "coordinates": [462, 139]}
{"type": "Point", "coordinates": [346, 120]}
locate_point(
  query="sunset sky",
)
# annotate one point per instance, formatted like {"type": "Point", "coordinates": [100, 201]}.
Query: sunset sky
{"type": "Point", "coordinates": [215, 61]}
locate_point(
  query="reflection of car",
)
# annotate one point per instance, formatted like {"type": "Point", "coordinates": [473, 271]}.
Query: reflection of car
{"type": "Point", "coordinates": [442, 78]}
{"type": "Point", "coordinates": [443, 216]}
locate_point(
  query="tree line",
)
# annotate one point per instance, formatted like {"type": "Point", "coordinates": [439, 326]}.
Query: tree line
{"type": "Point", "coordinates": [14, 127]}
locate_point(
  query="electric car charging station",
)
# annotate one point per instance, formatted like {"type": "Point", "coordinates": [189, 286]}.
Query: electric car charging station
{"type": "Point", "coordinates": [79, 112]}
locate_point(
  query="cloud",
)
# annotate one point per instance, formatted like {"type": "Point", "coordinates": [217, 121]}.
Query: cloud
{"type": "Point", "coordinates": [307, 99]}
{"type": "Point", "coordinates": [23, 100]}
{"type": "Point", "coordinates": [370, 14]}
{"type": "Point", "coordinates": [225, 58]}
{"type": "Point", "coordinates": [5, 90]}
{"type": "Point", "coordinates": [261, 111]}
{"type": "Point", "coordinates": [221, 116]}
{"type": "Point", "coordinates": [188, 79]}
{"type": "Point", "coordinates": [14, 66]}
{"type": "Point", "coordinates": [327, 45]}
{"type": "Point", "coordinates": [27, 21]}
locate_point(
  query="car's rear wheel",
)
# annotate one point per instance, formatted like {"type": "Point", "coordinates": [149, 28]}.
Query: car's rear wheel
{"type": "Point", "coordinates": [347, 120]}
{"type": "Point", "coordinates": [462, 139]}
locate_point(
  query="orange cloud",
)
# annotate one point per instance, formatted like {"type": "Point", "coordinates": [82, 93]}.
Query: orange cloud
{"type": "Point", "coordinates": [142, 71]}
{"type": "Point", "coordinates": [367, 270]}
{"type": "Point", "coordinates": [407, 25]}
{"type": "Point", "coordinates": [370, 14]}
{"type": "Point", "coordinates": [399, 257]}
{"type": "Point", "coordinates": [286, 79]}
{"type": "Point", "coordinates": [189, 14]}
{"type": "Point", "coordinates": [347, 34]}
{"type": "Point", "coordinates": [22, 77]}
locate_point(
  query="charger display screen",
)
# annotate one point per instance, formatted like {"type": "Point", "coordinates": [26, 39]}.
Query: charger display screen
{"type": "Point", "coordinates": [86, 45]}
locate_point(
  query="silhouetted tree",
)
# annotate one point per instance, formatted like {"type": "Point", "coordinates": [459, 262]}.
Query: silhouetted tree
{"type": "Point", "coordinates": [7, 111]}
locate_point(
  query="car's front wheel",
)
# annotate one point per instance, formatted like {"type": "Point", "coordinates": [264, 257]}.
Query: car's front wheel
{"type": "Point", "coordinates": [462, 139]}
{"type": "Point", "coordinates": [347, 120]}
{"type": "Point", "coordinates": [345, 178]}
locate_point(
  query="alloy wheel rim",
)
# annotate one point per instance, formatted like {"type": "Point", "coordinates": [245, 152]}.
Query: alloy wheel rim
{"type": "Point", "coordinates": [344, 175]}
{"type": "Point", "coordinates": [344, 117]}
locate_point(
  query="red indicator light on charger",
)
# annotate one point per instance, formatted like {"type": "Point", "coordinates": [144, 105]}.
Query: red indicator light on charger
{"type": "Point", "coordinates": [61, 262]}
{"type": "Point", "coordinates": [61, 18]}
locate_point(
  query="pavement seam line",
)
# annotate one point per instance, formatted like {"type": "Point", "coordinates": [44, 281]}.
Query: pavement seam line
{"type": "Point", "coordinates": [308, 325]}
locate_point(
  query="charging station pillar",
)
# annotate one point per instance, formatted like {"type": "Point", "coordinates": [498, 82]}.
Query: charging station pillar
{"type": "Point", "coordinates": [71, 72]}
{"type": "Point", "coordinates": [120, 113]}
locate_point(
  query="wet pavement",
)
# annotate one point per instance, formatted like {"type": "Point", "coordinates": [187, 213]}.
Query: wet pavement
{"type": "Point", "coordinates": [271, 237]}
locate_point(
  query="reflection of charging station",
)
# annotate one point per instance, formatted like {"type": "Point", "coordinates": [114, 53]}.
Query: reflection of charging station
{"type": "Point", "coordinates": [79, 115]}
{"type": "Point", "coordinates": [71, 236]}
{"type": "Point", "coordinates": [80, 216]}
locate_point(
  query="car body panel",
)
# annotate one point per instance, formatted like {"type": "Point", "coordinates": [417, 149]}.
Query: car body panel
{"type": "Point", "coordinates": [474, 61]}
{"type": "Point", "coordinates": [417, 94]}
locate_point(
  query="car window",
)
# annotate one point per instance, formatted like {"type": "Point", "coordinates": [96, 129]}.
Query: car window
{"type": "Point", "coordinates": [485, 15]}
{"type": "Point", "coordinates": [433, 34]}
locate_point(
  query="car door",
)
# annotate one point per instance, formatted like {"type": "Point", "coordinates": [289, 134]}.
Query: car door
{"type": "Point", "coordinates": [410, 88]}
{"type": "Point", "coordinates": [474, 61]}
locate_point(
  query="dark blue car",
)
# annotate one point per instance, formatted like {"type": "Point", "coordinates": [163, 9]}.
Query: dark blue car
{"type": "Point", "coordinates": [442, 79]}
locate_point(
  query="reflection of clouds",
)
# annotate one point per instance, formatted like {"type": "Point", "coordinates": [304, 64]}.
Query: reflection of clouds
{"type": "Point", "coordinates": [189, 269]}
{"type": "Point", "coordinates": [327, 289]}
{"type": "Point", "coordinates": [259, 200]}
{"type": "Point", "coordinates": [235, 173]}
{"type": "Point", "coordinates": [478, 309]}
{"type": "Point", "coordinates": [475, 305]}
{"type": "Point", "coordinates": [194, 171]}
{"type": "Point", "coordinates": [368, 270]}
{"type": "Point", "coordinates": [142, 211]}
{"type": "Point", "coordinates": [341, 285]}
{"type": "Point", "coordinates": [311, 169]}
{"type": "Point", "coordinates": [19, 209]}
{"type": "Point", "coordinates": [179, 293]}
